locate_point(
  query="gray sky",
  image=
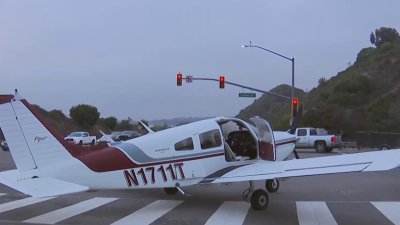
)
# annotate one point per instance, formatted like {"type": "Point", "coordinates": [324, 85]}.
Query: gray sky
{"type": "Point", "coordinates": [123, 56]}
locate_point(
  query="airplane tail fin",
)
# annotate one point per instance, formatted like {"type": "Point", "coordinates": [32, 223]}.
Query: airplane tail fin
{"type": "Point", "coordinates": [31, 143]}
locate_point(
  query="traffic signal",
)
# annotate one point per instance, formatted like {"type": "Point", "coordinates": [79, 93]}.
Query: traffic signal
{"type": "Point", "coordinates": [295, 106]}
{"type": "Point", "coordinates": [221, 82]}
{"type": "Point", "coordinates": [179, 79]}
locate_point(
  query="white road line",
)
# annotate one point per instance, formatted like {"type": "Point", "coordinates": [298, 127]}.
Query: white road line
{"type": "Point", "coordinates": [232, 213]}
{"type": "Point", "coordinates": [390, 209]}
{"type": "Point", "coordinates": [314, 213]}
{"type": "Point", "coordinates": [149, 213]}
{"type": "Point", "coordinates": [21, 203]}
{"type": "Point", "coordinates": [70, 211]}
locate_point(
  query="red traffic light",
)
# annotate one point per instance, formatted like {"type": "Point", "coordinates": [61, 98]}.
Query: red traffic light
{"type": "Point", "coordinates": [222, 82]}
{"type": "Point", "coordinates": [295, 102]}
{"type": "Point", "coordinates": [179, 79]}
{"type": "Point", "coordinates": [295, 106]}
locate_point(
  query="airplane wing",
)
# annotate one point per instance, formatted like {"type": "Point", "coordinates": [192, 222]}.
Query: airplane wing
{"type": "Point", "coordinates": [40, 187]}
{"type": "Point", "coordinates": [262, 170]}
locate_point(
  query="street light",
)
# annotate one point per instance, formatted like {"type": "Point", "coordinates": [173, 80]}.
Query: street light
{"type": "Point", "coordinates": [290, 59]}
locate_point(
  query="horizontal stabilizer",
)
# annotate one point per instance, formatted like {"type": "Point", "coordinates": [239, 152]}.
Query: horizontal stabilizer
{"type": "Point", "coordinates": [39, 187]}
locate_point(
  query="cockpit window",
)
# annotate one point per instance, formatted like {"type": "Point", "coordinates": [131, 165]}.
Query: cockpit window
{"type": "Point", "coordinates": [210, 139]}
{"type": "Point", "coordinates": [184, 145]}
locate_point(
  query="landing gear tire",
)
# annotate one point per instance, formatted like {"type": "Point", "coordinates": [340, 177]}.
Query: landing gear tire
{"type": "Point", "coordinates": [259, 200]}
{"type": "Point", "coordinates": [171, 191]}
{"type": "Point", "coordinates": [272, 185]}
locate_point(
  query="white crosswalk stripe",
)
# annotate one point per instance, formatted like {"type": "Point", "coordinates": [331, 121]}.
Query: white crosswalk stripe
{"type": "Point", "coordinates": [70, 211]}
{"type": "Point", "coordinates": [232, 213]}
{"type": "Point", "coordinates": [21, 203]}
{"type": "Point", "coordinates": [314, 213]}
{"type": "Point", "coordinates": [229, 212]}
{"type": "Point", "coordinates": [390, 209]}
{"type": "Point", "coordinates": [149, 213]}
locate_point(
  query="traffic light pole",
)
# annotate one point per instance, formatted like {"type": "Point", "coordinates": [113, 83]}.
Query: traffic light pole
{"type": "Point", "coordinates": [275, 53]}
{"type": "Point", "coordinates": [246, 87]}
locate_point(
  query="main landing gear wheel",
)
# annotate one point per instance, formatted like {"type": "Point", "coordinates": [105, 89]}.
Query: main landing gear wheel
{"type": "Point", "coordinates": [171, 191]}
{"type": "Point", "coordinates": [259, 200]}
{"type": "Point", "coordinates": [272, 185]}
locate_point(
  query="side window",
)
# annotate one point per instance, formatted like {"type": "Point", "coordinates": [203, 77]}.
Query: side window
{"type": "Point", "coordinates": [210, 139]}
{"type": "Point", "coordinates": [301, 132]}
{"type": "Point", "coordinates": [186, 144]}
{"type": "Point", "coordinates": [313, 132]}
{"type": "Point", "coordinates": [85, 135]}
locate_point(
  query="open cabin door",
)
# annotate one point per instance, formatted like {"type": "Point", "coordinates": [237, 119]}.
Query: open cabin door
{"type": "Point", "coordinates": [266, 141]}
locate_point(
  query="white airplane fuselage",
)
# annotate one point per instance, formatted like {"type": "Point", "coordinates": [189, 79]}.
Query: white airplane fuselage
{"type": "Point", "coordinates": [151, 161]}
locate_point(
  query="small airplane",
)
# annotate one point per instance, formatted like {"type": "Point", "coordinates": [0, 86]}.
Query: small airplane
{"type": "Point", "coordinates": [218, 150]}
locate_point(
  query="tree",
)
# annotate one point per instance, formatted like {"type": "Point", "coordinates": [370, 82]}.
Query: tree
{"type": "Point", "coordinates": [384, 35]}
{"type": "Point", "coordinates": [85, 115]}
{"type": "Point", "coordinates": [125, 124]}
{"type": "Point", "coordinates": [109, 122]}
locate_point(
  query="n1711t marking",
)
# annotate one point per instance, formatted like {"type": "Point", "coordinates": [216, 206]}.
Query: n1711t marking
{"type": "Point", "coordinates": [132, 180]}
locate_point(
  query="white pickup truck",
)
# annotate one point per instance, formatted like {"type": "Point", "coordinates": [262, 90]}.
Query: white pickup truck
{"type": "Point", "coordinates": [81, 138]}
{"type": "Point", "coordinates": [309, 138]}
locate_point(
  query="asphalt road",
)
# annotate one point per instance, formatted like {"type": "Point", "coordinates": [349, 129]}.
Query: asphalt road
{"type": "Point", "coordinates": [351, 198]}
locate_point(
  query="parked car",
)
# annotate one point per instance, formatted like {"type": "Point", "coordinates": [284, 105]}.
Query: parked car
{"type": "Point", "coordinates": [104, 139]}
{"type": "Point", "coordinates": [115, 134]}
{"type": "Point", "coordinates": [127, 135]}
{"type": "Point", "coordinates": [4, 146]}
{"type": "Point", "coordinates": [81, 138]}
{"type": "Point", "coordinates": [310, 138]}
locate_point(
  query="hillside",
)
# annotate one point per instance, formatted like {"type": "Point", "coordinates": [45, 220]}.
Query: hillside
{"type": "Point", "coordinates": [364, 97]}
{"type": "Point", "coordinates": [276, 110]}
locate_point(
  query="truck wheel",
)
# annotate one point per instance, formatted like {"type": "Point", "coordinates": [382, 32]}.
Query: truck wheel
{"type": "Point", "coordinates": [92, 142]}
{"type": "Point", "coordinates": [80, 142]}
{"type": "Point", "coordinates": [320, 146]}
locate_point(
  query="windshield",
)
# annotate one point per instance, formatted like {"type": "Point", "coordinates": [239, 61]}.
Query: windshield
{"type": "Point", "coordinates": [75, 134]}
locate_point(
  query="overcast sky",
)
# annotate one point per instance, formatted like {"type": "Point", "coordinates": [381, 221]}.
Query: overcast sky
{"type": "Point", "coordinates": [123, 56]}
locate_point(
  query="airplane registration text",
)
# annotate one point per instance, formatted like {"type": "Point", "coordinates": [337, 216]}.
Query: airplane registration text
{"type": "Point", "coordinates": [148, 174]}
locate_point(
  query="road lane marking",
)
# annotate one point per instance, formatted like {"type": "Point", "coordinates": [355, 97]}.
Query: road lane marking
{"type": "Point", "coordinates": [21, 203]}
{"type": "Point", "coordinates": [390, 209]}
{"type": "Point", "coordinates": [70, 211]}
{"type": "Point", "coordinates": [314, 213]}
{"type": "Point", "coordinates": [149, 213]}
{"type": "Point", "coordinates": [232, 213]}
